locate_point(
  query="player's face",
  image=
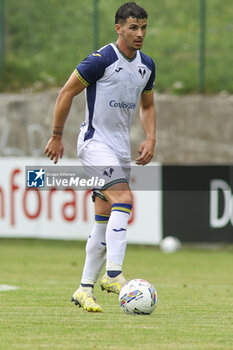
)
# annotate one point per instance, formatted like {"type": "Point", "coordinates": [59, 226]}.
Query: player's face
{"type": "Point", "coordinates": [131, 33]}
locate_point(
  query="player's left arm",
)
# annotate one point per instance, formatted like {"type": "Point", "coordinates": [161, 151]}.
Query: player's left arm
{"type": "Point", "coordinates": [148, 122]}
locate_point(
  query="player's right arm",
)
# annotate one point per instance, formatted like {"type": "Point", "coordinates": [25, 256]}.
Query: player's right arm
{"type": "Point", "coordinates": [73, 87]}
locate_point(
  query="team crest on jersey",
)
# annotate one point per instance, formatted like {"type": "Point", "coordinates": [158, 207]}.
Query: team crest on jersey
{"type": "Point", "coordinates": [142, 71]}
{"type": "Point", "coordinates": [108, 173]}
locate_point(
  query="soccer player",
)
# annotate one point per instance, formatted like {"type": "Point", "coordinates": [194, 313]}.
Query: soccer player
{"type": "Point", "coordinates": [117, 78]}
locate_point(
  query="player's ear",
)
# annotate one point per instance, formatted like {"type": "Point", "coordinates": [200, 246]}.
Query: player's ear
{"type": "Point", "coordinates": [118, 28]}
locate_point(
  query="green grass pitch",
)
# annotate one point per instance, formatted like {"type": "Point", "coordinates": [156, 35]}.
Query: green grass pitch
{"type": "Point", "coordinates": [195, 304]}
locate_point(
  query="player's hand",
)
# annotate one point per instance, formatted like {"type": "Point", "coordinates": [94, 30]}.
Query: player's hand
{"type": "Point", "coordinates": [146, 151]}
{"type": "Point", "coordinates": [54, 148]}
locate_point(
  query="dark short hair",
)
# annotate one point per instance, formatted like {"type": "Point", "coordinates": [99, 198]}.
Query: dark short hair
{"type": "Point", "coordinates": [129, 9]}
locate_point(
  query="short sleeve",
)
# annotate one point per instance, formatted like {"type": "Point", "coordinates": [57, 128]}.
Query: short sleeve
{"type": "Point", "coordinates": [91, 68]}
{"type": "Point", "coordinates": [151, 82]}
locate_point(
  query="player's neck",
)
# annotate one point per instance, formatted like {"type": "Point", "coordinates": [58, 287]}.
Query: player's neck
{"type": "Point", "coordinates": [129, 53]}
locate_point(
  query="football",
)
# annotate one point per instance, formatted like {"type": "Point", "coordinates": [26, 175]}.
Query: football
{"type": "Point", "coordinates": [170, 244]}
{"type": "Point", "coordinates": [138, 297]}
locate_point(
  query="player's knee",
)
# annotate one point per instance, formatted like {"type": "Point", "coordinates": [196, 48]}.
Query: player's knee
{"type": "Point", "coordinates": [123, 197]}
{"type": "Point", "coordinates": [119, 193]}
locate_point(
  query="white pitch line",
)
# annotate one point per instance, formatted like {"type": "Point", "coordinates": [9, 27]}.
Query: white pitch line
{"type": "Point", "coordinates": [4, 287]}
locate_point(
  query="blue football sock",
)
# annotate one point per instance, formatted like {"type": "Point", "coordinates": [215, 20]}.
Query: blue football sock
{"type": "Point", "coordinates": [113, 274]}
{"type": "Point", "coordinates": [87, 285]}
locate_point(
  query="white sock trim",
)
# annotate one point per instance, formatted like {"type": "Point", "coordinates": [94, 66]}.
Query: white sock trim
{"type": "Point", "coordinates": [111, 266]}
{"type": "Point", "coordinates": [86, 281]}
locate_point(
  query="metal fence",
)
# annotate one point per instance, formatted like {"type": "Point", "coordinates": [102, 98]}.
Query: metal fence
{"type": "Point", "coordinates": [191, 42]}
